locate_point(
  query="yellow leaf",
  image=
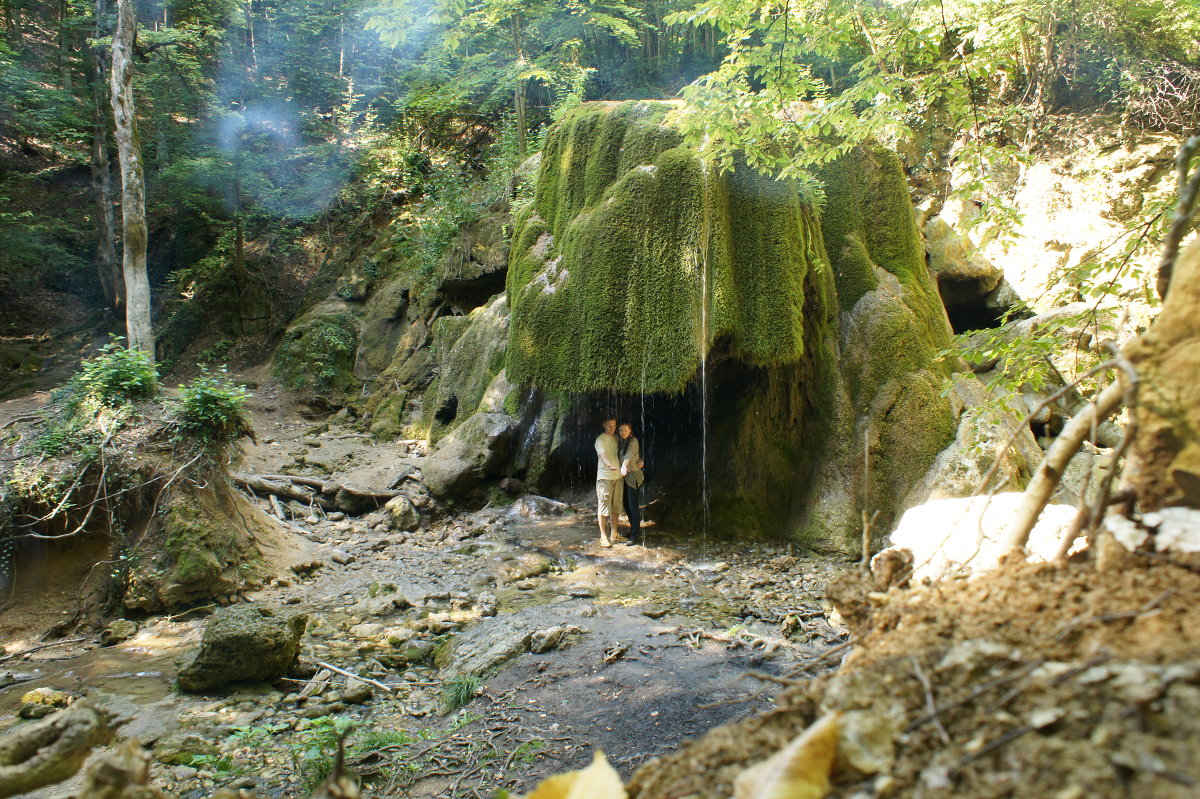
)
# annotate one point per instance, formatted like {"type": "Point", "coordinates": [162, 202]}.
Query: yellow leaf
{"type": "Point", "coordinates": [597, 781]}
{"type": "Point", "coordinates": [799, 770]}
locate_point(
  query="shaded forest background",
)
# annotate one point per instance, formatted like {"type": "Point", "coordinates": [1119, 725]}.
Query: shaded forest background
{"type": "Point", "coordinates": [275, 132]}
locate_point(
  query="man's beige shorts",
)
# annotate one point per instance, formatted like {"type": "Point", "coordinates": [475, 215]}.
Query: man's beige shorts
{"type": "Point", "coordinates": [608, 497]}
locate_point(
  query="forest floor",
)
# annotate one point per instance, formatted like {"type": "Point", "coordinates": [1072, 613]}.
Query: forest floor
{"type": "Point", "coordinates": [634, 649]}
{"type": "Point", "coordinates": [685, 662]}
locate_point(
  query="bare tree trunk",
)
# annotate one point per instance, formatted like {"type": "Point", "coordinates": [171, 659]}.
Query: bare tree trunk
{"type": "Point", "coordinates": [106, 246]}
{"type": "Point", "coordinates": [519, 90]}
{"type": "Point", "coordinates": [64, 46]}
{"type": "Point", "coordinates": [1037, 494]}
{"type": "Point", "coordinates": [133, 192]}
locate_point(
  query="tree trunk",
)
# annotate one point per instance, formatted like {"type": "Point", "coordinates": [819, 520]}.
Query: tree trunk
{"type": "Point", "coordinates": [133, 193]}
{"type": "Point", "coordinates": [64, 46]}
{"type": "Point", "coordinates": [519, 90]}
{"type": "Point", "coordinates": [106, 246]}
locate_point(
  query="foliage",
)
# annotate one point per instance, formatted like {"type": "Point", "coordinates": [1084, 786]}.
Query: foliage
{"type": "Point", "coordinates": [316, 748]}
{"type": "Point", "coordinates": [319, 354]}
{"type": "Point", "coordinates": [804, 81]}
{"type": "Point", "coordinates": [117, 376]}
{"type": "Point", "coordinates": [211, 408]}
{"type": "Point", "coordinates": [461, 690]}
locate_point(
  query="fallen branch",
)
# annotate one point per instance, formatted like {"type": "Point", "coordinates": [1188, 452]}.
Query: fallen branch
{"type": "Point", "coordinates": [40, 647]}
{"type": "Point", "coordinates": [345, 673]}
{"type": "Point", "coordinates": [1037, 495]}
{"type": "Point", "coordinates": [256, 484]}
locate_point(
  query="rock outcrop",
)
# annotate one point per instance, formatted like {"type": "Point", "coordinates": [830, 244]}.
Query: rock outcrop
{"type": "Point", "coordinates": [242, 643]}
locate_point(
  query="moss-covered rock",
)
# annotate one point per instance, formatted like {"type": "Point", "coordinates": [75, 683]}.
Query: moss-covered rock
{"type": "Point", "coordinates": [243, 643]}
{"type": "Point", "coordinates": [318, 353]}
{"type": "Point", "coordinates": [632, 247]}
{"type": "Point", "coordinates": [635, 264]}
{"type": "Point", "coordinates": [469, 351]}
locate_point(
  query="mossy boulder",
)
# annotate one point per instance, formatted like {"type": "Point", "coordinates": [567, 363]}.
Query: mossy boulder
{"type": "Point", "coordinates": [317, 355]}
{"type": "Point", "coordinates": [243, 644]}
{"type": "Point", "coordinates": [478, 448]}
{"type": "Point", "coordinates": [469, 352]}
{"type": "Point", "coordinates": [634, 258]}
{"type": "Point", "coordinates": [636, 264]}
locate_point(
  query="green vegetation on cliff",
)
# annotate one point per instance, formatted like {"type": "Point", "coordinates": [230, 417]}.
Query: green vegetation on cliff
{"type": "Point", "coordinates": [634, 260]}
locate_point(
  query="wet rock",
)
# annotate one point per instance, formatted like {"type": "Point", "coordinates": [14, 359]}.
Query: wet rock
{"type": "Point", "coordinates": [182, 749]}
{"type": "Point", "coordinates": [356, 692]}
{"type": "Point", "coordinates": [524, 567]}
{"type": "Point", "coordinates": [409, 653]}
{"type": "Point", "coordinates": [243, 643]}
{"type": "Point", "coordinates": [469, 454]}
{"type": "Point", "coordinates": [41, 702]}
{"type": "Point", "coordinates": [552, 638]}
{"type": "Point", "coordinates": [535, 507]}
{"type": "Point", "coordinates": [117, 631]}
{"type": "Point", "coordinates": [402, 514]}
{"type": "Point", "coordinates": [487, 604]}
{"type": "Point", "coordinates": [487, 645]}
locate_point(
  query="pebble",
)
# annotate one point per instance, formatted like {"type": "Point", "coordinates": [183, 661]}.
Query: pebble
{"type": "Point", "coordinates": [341, 556]}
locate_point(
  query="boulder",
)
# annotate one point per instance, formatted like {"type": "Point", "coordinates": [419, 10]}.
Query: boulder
{"type": "Point", "coordinates": [243, 643]}
{"type": "Point", "coordinates": [967, 535]}
{"type": "Point", "coordinates": [117, 631]}
{"type": "Point", "coordinates": [535, 507]}
{"type": "Point", "coordinates": [469, 454]}
{"type": "Point", "coordinates": [402, 514]}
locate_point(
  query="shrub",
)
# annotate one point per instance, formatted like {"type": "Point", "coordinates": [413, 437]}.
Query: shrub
{"type": "Point", "coordinates": [212, 408]}
{"type": "Point", "coordinates": [117, 376]}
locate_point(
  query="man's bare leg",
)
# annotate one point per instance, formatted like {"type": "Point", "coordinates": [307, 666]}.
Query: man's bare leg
{"type": "Point", "coordinates": [603, 520]}
{"type": "Point", "coordinates": [616, 535]}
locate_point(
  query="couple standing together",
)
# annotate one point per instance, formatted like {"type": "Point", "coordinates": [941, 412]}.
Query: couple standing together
{"type": "Point", "coordinates": [618, 478]}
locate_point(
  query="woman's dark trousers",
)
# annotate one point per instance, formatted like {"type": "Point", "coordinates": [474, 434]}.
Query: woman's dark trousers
{"type": "Point", "coordinates": [633, 509]}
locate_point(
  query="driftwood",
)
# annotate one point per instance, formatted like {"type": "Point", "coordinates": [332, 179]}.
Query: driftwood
{"type": "Point", "coordinates": [51, 750]}
{"type": "Point", "coordinates": [325, 494]}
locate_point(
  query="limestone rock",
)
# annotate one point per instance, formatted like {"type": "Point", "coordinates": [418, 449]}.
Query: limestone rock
{"type": "Point", "coordinates": [1166, 469]}
{"type": "Point", "coordinates": [532, 506]}
{"type": "Point", "coordinates": [402, 514]}
{"type": "Point", "coordinates": [469, 454]}
{"type": "Point", "coordinates": [243, 643]}
{"type": "Point", "coordinates": [949, 536]}
{"type": "Point", "coordinates": [181, 748]}
{"type": "Point", "coordinates": [117, 631]}
{"type": "Point", "coordinates": [963, 274]}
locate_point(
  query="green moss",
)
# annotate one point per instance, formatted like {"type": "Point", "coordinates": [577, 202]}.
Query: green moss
{"type": "Point", "coordinates": [470, 351]}
{"type": "Point", "coordinates": [318, 353]}
{"type": "Point", "coordinates": [631, 246]}
{"type": "Point", "coordinates": [193, 547]}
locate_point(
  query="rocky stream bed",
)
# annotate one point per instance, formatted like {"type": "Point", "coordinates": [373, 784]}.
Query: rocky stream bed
{"type": "Point", "coordinates": [497, 646]}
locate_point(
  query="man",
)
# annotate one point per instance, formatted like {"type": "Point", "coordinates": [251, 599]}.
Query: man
{"type": "Point", "coordinates": [608, 482]}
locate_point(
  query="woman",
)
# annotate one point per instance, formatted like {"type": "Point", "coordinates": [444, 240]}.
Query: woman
{"type": "Point", "coordinates": [629, 453]}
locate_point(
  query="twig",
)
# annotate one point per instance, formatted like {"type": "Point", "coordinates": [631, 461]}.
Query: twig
{"type": "Point", "coordinates": [976, 692]}
{"type": "Point", "coordinates": [930, 705]}
{"type": "Point", "coordinates": [828, 655]}
{"type": "Point", "coordinates": [345, 673]}
{"type": "Point", "coordinates": [1187, 190]}
{"type": "Point", "coordinates": [39, 647]}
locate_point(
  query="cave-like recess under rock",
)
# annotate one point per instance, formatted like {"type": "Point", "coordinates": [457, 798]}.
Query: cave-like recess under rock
{"type": "Point", "coordinates": [819, 326]}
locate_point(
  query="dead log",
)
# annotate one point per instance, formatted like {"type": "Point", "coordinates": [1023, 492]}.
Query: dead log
{"type": "Point", "coordinates": [258, 484]}
{"type": "Point", "coordinates": [51, 750]}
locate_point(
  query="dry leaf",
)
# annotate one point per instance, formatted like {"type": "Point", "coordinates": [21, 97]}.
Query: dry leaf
{"type": "Point", "coordinates": [597, 781]}
{"type": "Point", "coordinates": [799, 770]}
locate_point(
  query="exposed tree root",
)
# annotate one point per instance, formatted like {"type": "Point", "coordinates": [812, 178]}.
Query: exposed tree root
{"type": "Point", "coordinates": [49, 751]}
